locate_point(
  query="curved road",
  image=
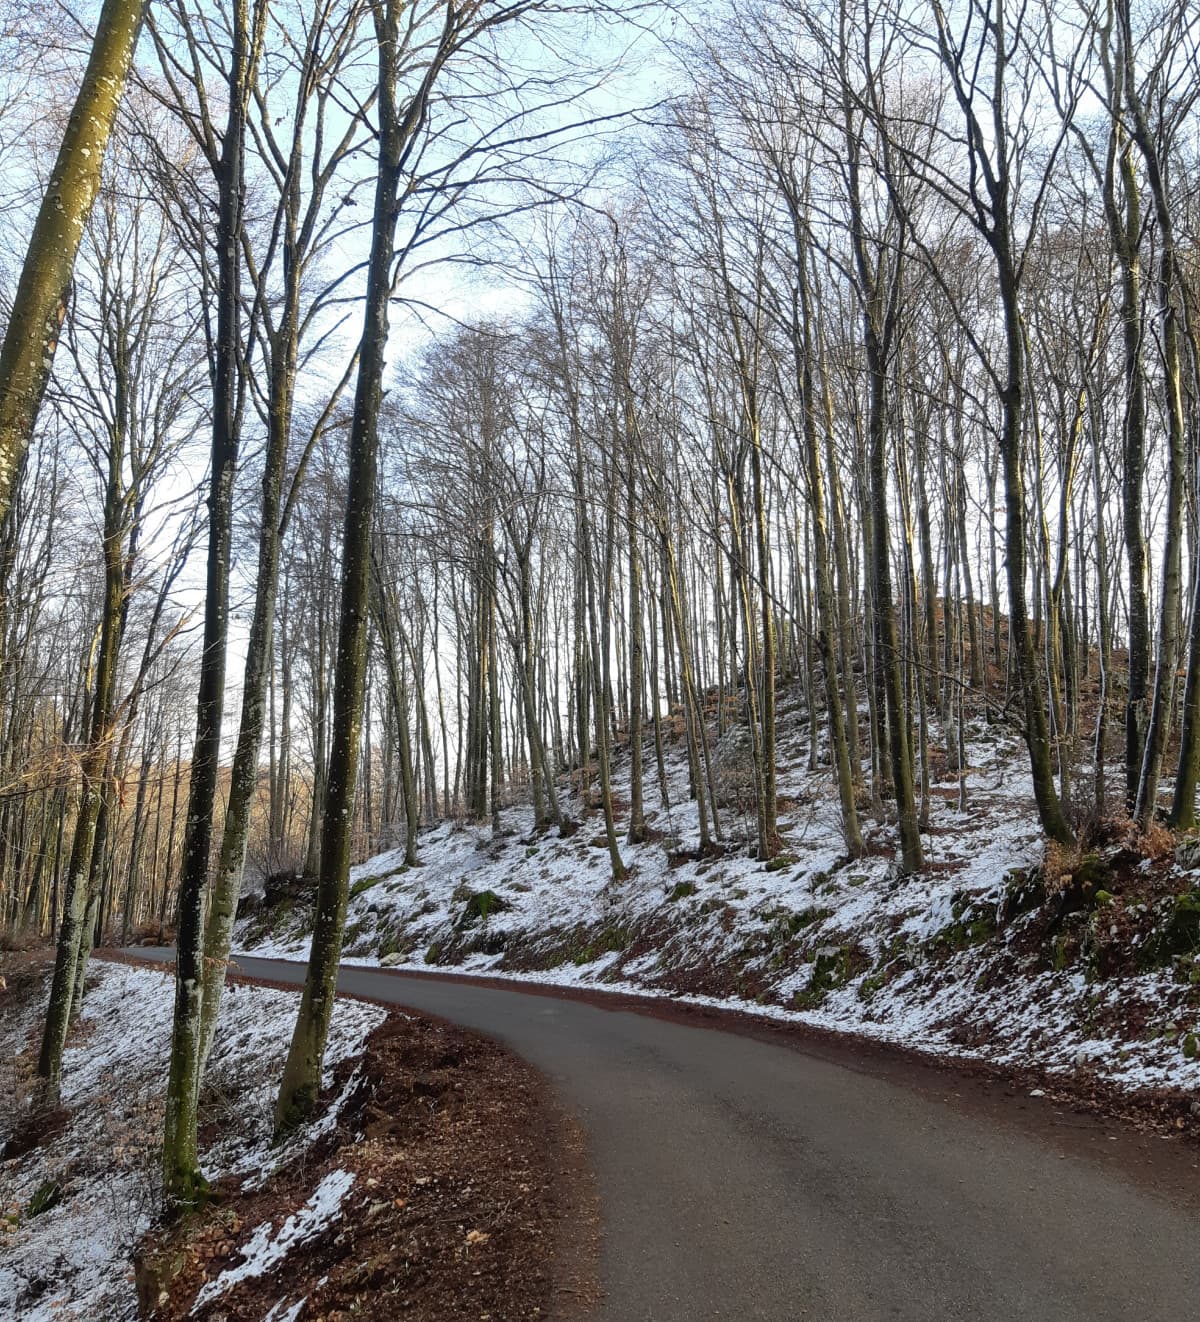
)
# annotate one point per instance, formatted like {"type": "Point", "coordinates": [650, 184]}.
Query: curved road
{"type": "Point", "coordinates": [740, 1179]}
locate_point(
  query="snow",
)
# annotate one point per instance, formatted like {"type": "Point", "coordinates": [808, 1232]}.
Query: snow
{"type": "Point", "coordinates": [707, 925]}
{"type": "Point", "coordinates": [284, 1312]}
{"type": "Point", "coordinates": [73, 1261]}
{"type": "Point", "coordinates": [266, 1247]}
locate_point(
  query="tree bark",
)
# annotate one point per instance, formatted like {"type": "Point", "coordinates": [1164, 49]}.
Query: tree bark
{"type": "Point", "coordinates": [183, 1183]}
{"type": "Point", "coordinates": [43, 291]}
{"type": "Point", "coordinates": [302, 1072]}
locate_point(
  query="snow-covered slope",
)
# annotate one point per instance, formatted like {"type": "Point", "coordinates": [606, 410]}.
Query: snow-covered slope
{"type": "Point", "coordinates": [977, 956]}
{"type": "Point", "coordinates": [72, 1260]}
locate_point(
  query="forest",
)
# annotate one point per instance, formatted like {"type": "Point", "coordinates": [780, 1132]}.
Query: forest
{"type": "Point", "coordinates": [412, 409]}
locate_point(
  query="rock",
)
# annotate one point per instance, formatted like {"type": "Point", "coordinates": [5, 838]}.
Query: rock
{"type": "Point", "coordinates": [481, 904]}
{"type": "Point", "coordinates": [1023, 891]}
{"type": "Point", "coordinates": [1180, 931]}
{"type": "Point", "coordinates": [1187, 853]}
{"type": "Point", "coordinates": [155, 1270]}
{"type": "Point", "coordinates": [390, 961]}
{"type": "Point", "coordinates": [831, 968]}
{"type": "Point", "coordinates": [248, 903]}
{"type": "Point", "coordinates": [281, 886]}
{"type": "Point", "coordinates": [1092, 877]}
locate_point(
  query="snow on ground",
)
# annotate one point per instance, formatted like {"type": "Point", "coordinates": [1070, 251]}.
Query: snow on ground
{"type": "Point", "coordinates": [73, 1260]}
{"type": "Point", "coordinates": [931, 962]}
{"type": "Point", "coordinates": [267, 1247]}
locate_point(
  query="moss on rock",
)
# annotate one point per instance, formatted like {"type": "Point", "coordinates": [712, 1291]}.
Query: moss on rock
{"type": "Point", "coordinates": [481, 905]}
{"type": "Point", "coordinates": [1179, 932]}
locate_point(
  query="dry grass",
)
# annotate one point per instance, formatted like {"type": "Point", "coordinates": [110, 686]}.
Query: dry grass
{"type": "Point", "coordinates": [1156, 843]}
{"type": "Point", "coordinates": [1059, 865]}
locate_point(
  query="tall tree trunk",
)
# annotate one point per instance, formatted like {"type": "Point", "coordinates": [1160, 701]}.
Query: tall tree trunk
{"type": "Point", "coordinates": [40, 302]}
{"type": "Point", "coordinates": [243, 781]}
{"type": "Point", "coordinates": [74, 932]}
{"type": "Point", "coordinates": [637, 817]}
{"type": "Point", "coordinates": [768, 845]}
{"type": "Point", "coordinates": [302, 1072]}
{"type": "Point", "coordinates": [1012, 396]}
{"type": "Point", "coordinates": [183, 1183]}
{"type": "Point", "coordinates": [826, 611]}
{"type": "Point", "coordinates": [879, 294]}
{"type": "Point", "coordinates": [1168, 293]}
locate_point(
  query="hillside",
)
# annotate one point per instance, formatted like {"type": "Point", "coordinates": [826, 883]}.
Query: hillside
{"type": "Point", "coordinates": [81, 1188]}
{"type": "Point", "coordinates": [1078, 972]}
{"type": "Point", "coordinates": [432, 1147]}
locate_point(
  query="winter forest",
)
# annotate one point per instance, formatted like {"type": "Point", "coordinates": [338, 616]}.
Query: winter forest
{"type": "Point", "coordinates": [416, 411]}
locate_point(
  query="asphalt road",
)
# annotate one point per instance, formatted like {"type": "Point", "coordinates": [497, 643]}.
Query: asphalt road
{"type": "Point", "coordinates": [740, 1179]}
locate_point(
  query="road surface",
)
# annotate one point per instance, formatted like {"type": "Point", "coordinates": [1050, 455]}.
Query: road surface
{"type": "Point", "coordinates": [740, 1179]}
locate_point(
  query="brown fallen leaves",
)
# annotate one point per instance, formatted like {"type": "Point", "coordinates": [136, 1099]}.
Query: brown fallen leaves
{"type": "Point", "coordinates": [467, 1179]}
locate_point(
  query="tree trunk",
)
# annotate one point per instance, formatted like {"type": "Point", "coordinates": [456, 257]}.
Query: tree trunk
{"type": "Point", "coordinates": [40, 302]}
{"type": "Point", "coordinates": [243, 782]}
{"type": "Point", "coordinates": [302, 1072]}
{"type": "Point", "coordinates": [183, 1183]}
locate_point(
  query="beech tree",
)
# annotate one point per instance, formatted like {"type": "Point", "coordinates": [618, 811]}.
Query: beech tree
{"type": "Point", "coordinates": [132, 352]}
{"type": "Point", "coordinates": [842, 419]}
{"type": "Point", "coordinates": [301, 227]}
{"type": "Point", "coordinates": [182, 1181]}
{"type": "Point", "coordinates": [43, 291]}
{"type": "Point", "coordinates": [406, 47]}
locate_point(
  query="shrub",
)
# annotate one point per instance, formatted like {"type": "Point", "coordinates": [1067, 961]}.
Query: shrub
{"type": "Point", "coordinates": [48, 1194]}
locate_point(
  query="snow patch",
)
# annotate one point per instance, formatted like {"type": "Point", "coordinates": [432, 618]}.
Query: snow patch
{"type": "Point", "coordinates": [73, 1261]}
{"type": "Point", "coordinates": [266, 1248]}
{"type": "Point", "coordinates": [920, 952]}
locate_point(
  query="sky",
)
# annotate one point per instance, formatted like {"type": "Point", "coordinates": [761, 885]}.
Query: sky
{"type": "Point", "coordinates": [627, 72]}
